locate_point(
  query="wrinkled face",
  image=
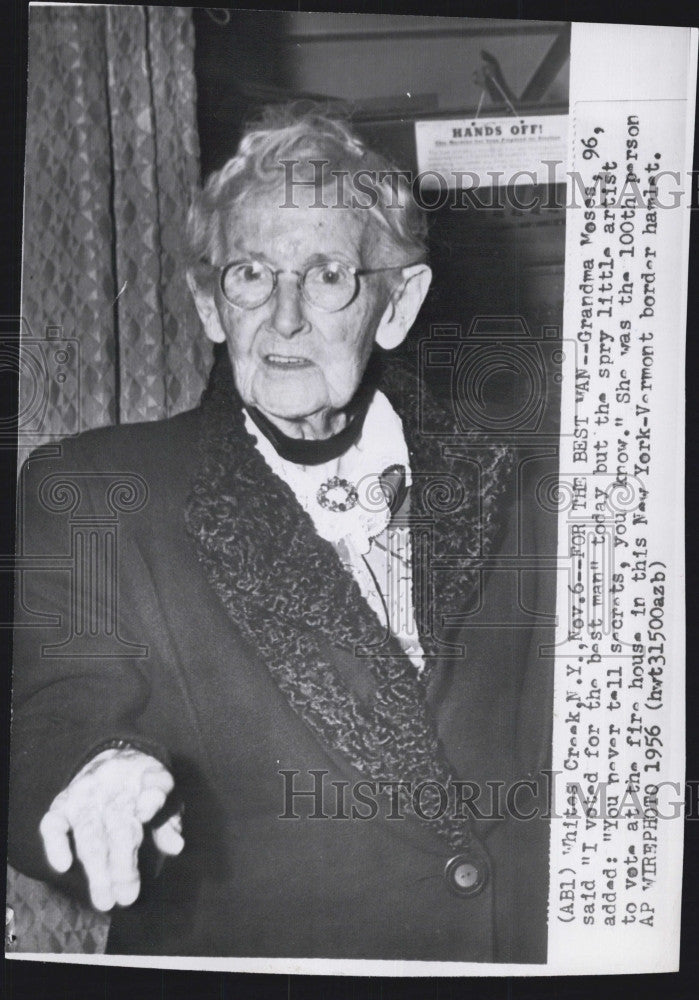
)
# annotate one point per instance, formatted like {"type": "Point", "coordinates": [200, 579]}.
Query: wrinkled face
{"type": "Point", "coordinates": [290, 359]}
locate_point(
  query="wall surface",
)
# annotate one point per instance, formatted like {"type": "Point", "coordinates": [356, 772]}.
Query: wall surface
{"type": "Point", "coordinates": [431, 61]}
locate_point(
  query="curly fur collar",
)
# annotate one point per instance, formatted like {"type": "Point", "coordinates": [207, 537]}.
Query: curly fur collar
{"type": "Point", "coordinates": [290, 596]}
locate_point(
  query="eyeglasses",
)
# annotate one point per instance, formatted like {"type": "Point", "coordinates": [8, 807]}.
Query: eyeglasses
{"type": "Point", "coordinates": [328, 286]}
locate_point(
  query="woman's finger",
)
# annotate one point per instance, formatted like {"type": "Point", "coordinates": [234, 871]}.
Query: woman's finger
{"type": "Point", "coordinates": [168, 837]}
{"type": "Point", "coordinates": [54, 829]}
{"type": "Point", "coordinates": [157, 776]}
{"type": "Point", "coordinates": [92, 850]}
{"type": "Point", "coordinates": [149, 801]}
{"type": "Point", "coordinates": [125, 834]}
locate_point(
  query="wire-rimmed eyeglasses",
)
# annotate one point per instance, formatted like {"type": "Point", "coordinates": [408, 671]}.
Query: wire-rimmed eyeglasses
{"type": "Point", "coordinates": [329, 285]}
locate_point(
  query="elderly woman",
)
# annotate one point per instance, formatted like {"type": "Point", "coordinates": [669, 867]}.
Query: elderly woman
{"type": "Point", "coordinates": [297, 766]}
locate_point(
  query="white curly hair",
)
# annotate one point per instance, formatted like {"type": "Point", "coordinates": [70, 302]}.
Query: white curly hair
{"type": "Point", "coordinates": [289, 134]}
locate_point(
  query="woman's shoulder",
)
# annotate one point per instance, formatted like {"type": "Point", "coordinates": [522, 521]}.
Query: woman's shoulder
{"type": "Point", "coordinates": [121, 447]}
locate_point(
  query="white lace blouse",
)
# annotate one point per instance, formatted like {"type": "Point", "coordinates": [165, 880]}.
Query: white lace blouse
{"type": "Point", "coordinates": [348, 506]}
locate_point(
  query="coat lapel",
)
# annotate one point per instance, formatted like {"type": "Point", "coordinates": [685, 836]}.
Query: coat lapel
{"type": "Point", "coordinates": [289, 594]}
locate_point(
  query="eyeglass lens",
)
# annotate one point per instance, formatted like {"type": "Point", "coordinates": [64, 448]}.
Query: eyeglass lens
{"type": "Point", "coordinates": [329, 286]}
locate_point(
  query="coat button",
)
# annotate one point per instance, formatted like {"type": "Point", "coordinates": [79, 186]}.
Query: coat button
{"type": "Point", "coordinates": [466, 875]}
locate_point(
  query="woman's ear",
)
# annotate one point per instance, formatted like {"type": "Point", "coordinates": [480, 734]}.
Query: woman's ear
{"type": "Point", "coordinates": [207, 309]}
{"type": "Point", "coordinates": [403, 306]}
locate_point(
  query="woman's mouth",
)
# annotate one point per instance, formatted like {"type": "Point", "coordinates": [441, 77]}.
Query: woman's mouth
{"type": "Point", "coordinates": [287, 361]}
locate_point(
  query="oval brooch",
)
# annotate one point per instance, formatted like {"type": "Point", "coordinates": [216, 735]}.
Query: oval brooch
{"type": "Point", "coordinates": [337, 495]}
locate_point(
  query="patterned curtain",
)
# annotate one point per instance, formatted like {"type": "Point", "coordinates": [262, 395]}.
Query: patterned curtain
{"type": "Point", "coordinates": [109, 333]}
{"type": "Point", "coordinates": [112, 155]}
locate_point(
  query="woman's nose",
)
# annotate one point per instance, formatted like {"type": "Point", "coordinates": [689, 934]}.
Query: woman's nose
{"type": "Point", "coordinates": [287, 309]}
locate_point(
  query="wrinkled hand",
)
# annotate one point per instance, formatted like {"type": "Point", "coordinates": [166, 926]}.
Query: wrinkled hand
{"type": "Point", "coordinates": [105, 807]}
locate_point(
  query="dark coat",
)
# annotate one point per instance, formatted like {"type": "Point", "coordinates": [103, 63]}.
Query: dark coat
{"type": "Point", "coordinates": [190, 691]}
